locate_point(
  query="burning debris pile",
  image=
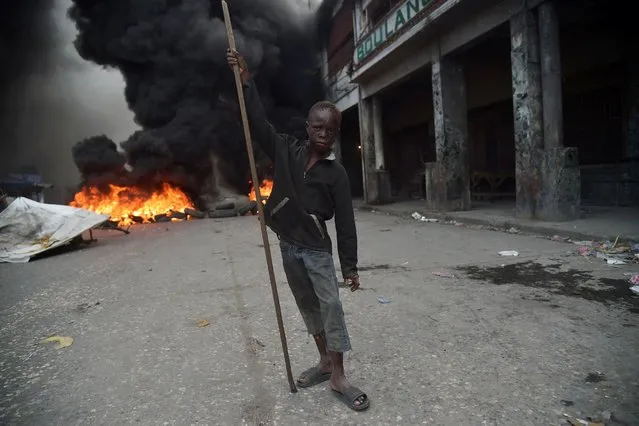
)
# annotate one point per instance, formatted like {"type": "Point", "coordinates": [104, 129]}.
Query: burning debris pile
{"type": "Point", "coordinates": [129, 205]}
{"type": "Point", "coordinates": [190, 153]}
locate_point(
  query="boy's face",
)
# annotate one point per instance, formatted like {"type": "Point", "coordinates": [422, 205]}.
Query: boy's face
{"type": "Point", "coordinates": [322, 128]}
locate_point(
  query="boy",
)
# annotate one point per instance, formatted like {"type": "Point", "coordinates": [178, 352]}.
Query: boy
{"type": "Point", "coordinates": [309, 188]}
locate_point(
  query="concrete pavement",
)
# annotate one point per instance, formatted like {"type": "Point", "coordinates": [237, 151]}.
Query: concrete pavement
{"type": "Point", "coordinates": [503, 343]}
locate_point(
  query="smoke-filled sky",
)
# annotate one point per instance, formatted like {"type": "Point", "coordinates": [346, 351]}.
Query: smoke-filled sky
{"type": "Point", "coordinates": [50, 97]}
{"type": "Point", "coordinates": [172, 57]}
{"type": "Point", "coordinates": [178, 89]}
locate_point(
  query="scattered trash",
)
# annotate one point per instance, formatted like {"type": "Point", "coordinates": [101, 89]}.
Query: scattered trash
{"type": "Point", "coordinates": [559, 238]}
{"type": "Point", "coordinates": [613, 252]}
{"type": "Point", "coordinates": [599, 420]}
{"type": "Point", "coordinates": [635, 248]}
{"type": "Point", "coordinates": [635, 289]}
{"type": "Point", "coordinates": [634, 279]}
{"type": "Point", "coordinates": [585, 243]}
{"type": "Point", "coordinates": [444, 274]}
{"type": "Point", "coordinates": [513, 230]}
{"type": "Point", "coordinates": [62, 341]}
{"type": "Point", "coordinates": [580, 422]}
{"type": "Point", "coordinates": [383, 300]}
{"type": "Point", "coordinates": [584, 250]}
{"type": "Point", "coordinates": [203, 323]}
{"type": "Point", "coordinates": [422, 218]}
{"type": "Point", "coordinates": [595, 377]}
{"type": "Point", "coordinates": [509, 253]}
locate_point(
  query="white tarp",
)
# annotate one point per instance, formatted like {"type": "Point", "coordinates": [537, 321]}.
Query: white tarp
{"type": "Point", "coordinates": [28, 228]}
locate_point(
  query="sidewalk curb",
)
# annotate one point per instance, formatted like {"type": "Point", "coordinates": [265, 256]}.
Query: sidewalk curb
{"type": "Point", "coordinates": [495, 224]}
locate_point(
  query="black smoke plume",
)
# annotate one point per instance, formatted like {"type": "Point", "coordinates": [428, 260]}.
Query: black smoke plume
{"type": "Point", "coordinates": [172, 56]}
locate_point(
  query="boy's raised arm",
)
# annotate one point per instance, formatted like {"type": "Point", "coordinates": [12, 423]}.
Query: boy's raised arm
{"type": "Point", "coordinates": [263, 133]}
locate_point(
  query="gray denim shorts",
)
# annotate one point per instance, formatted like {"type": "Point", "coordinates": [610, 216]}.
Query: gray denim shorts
{"type": "Point", "coordinates": [313, 281]}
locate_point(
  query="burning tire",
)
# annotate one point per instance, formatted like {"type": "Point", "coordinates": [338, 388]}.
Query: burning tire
{"type": "Point", "coordinates": [221, 214]}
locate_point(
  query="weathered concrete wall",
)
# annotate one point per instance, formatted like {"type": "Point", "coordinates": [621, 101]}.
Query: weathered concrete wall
{"type": "Point", "coordinates": [378, 133]}
{"type": "Point", "coordinates": [628, 187]}
{"type": "Point", "coordinates": [448, 181]}
{"type": "Point", "coordinates": [371, 193]}
{"type": "Point", "coordinates": [400, 61]}
{"type": "Point", "coordinates": [610, 185]}
{"type": "Point", "coordinates": [341, 90]}
{"type": "Point", "coordinates": [376, 181]}
{"type": "Point", "coordinates": [527, 107]}
{"type": "Point", "coordinates": [551, 76]}
{"type": "Point", "coordinates": [633, 104]}
{"type": "Point", "coordinates": [560, 195]}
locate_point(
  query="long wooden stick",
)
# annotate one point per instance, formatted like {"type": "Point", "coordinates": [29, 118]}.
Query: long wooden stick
{"type": "Point", "coordinates": [258, 197]}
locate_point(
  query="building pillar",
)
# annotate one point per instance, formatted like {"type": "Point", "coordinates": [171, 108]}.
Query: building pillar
{"type": "Point", "coordinates": [376, 178]}
{"type": "Point", "coordinates": [448, 179]}
{"type": "Point", "coordinates": [560, 195]}
{"type": "Point", "coordinates": [551, 76]}
{"type": "Point", "coordinates": [378, 134]}
{"type": "Point", "coordinates": [527, 109]}
{"type": "Point", "coordinates": [633, 103]}
{"type": "Point", "coordinates": [631, 187]}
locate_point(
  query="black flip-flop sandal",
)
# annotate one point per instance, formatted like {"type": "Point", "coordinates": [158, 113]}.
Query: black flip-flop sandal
{"type": "Point", "coordinates": [313, 377]}
{"type": "Point", "coordinates": [351, 395]}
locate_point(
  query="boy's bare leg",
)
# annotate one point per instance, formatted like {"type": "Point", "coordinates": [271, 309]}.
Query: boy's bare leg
{"type": "Point", "coordinates": [338, 378]}
{"type": "Point", "coordinates": [325, 360]}
{"type": "Point", "coordinates": [324, 365]}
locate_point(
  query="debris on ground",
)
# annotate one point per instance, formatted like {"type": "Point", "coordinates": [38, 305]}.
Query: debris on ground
{"type": "Point", "coordinates": [62, 341]}
{"type": "Point", "coordinates": [444, 274]}
{"type": "Point", "coordinates": [203, 323]}
{"type": "Point", "coordinates": [613, 252]}
{"type": "Point", "coordinates": [595, 377]}
{"type": "Point", "coordinates": [600, 419]}
{"type": "Point", "coordinates": [574, 421]}
{"type": "Point", "coordinates": [383, 300]}
{"type": "Point", "coordinates": [29, 228]}
{"type": "Point", "coordinates": [509, 253]}
{"type": "Point", "coordinates": [422, 218]}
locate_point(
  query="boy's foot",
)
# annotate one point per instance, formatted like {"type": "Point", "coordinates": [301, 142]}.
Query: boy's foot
{"type": "Point", "coordinates": [314, 376]}
{"type": "Point", "coordinates": [354, 398]}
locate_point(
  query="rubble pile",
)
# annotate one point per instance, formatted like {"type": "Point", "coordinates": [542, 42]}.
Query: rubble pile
{"type": "Point", "coordinates": [613, 253]}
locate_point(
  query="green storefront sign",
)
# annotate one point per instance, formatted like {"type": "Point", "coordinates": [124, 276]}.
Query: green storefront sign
{"type": "Point", "coordinates": [394, 22]}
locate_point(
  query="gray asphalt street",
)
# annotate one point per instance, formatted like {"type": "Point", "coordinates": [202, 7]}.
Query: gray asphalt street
{"type": "Point", "coordinates": [506, 341]}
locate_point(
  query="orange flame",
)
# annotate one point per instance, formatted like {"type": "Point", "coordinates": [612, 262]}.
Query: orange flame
{"type": "Point", "coordinates": [122, 204]}
{"type": "Point", "coordinates": [265, 190]}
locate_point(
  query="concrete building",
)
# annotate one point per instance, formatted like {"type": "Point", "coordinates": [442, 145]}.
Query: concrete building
{"type": "Point", "coordinates": [454, 101]}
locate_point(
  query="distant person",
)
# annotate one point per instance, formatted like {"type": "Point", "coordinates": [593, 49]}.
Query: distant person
{"type": "Point", "coordinates": [309, 188]}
